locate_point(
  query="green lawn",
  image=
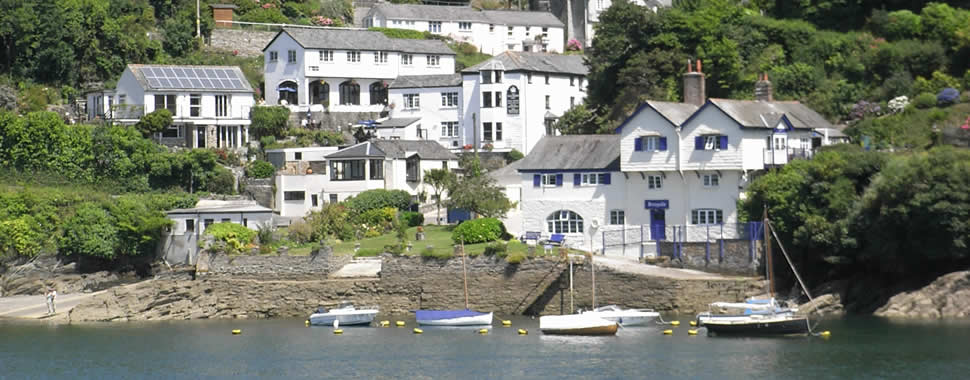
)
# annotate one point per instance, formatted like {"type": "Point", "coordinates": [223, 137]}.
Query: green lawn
{"type": "Point", "coordinates": [439, 237]}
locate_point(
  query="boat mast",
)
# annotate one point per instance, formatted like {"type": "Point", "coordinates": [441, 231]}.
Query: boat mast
{"type": "Point", "coordinates": [464, 274]}
{"type": "Point", "coordinates": [571, 308]}
{"type": "Point", "coordinates": [592, 269]}
{"type": "Point", "coordinates": [768, 268]}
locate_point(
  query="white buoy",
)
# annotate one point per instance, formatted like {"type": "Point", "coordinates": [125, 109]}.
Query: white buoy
{"type": "Point", "coordinates": [336, 323]}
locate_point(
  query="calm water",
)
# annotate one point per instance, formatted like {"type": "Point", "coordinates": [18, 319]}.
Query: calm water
{"type": "Point", "coordinates": [859, 348]}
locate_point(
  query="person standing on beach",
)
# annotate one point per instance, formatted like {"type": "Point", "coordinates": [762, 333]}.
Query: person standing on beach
{"type": "Point", "coordinates": [51, 294]}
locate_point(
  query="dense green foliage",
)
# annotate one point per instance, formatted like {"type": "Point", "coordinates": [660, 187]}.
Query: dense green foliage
{"type": "Point", "coordinates": [910, 129]}
{"type": "Point", "coordinates": [154, 122]}
{"type": "Point", "coordinates": [412, 219]}
{"type": "Point", "coordinates": [332, 220]}
{"type": "Point", "coordinates": [260, 169]}
{"type": "Point", "coordinates": [403, 33]}
{"type": "Point", "coordinates": [378, 198]}
{"type": "Point", "coordinates": [231, 238]}
{"type": "Point", "coordinates": [478, 231]}
{"type": "Point", "coordinates": [477, 192]}
{"type": "Point", "coordinates": [439, 180]}
{"type": "Point", "coordinates": [269, 121]}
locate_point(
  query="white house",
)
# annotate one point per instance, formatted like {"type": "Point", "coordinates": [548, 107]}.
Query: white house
{"type": "Point", "coordinates": [492, 31]}
{"type": "Point", "coordinates": [375, 164]}
{"type": "Point", "coordinates": [512, 100]}
{"type": "Point", "coordinates": [180, 244]}
{"type": "Point", "coordinates": [209, 104]}
{"type": "Point", "coordinates": [345, 70]}
{"type": "Point", "coordinates": [424, 107]}
{"type": "Point", "coordinates": [595, 7]}
{"type": "Point", "coordinates": [676, 164]}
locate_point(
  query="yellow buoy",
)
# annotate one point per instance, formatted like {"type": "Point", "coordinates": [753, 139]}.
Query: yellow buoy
{"type": "Point", "coordinates": [399, 323]}
{"type": "Point", "coordinates": [385, 323]}
{"type": "Point", "coordinates": [825, 334]}
{"type": "Point", "coordinates": [236, 332]}
{"type": "Point", "coordinates": [668, 332]}
{"type": "Point", "coordinates": [338, 331]}
{"type": "Point", "coordinates": [418, 331]}
{"type": "Point", "coordinates": [675, 323]}
{"type": "Point", "coordinates": [483, 331]}
{"type": "Point", "coordinates": [692, 332]}
{"type": "Point", "coordinates": [693, 323]}
{"type": "Point", "coordinates": [307, 322]}
{"type": "Point", "coordinates": [506, 323]}
{"type": "Point", "coordinates": [523, 332]}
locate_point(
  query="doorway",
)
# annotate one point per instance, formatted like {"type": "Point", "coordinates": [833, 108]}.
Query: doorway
{"type": "Point", "coordinates": [658, 224]}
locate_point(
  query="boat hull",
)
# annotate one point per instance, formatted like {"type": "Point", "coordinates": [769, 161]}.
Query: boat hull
{"type": "Point", "coordinates": [576, 324]}
{"type": "Point", "coordinates": [787, 326]}
{"type": "Point", "coordinates": [477, 320]}
{"type": "Point", "coordinates": [360, 317]}
{"type": "Point", "coordinates": [598, 330]}
{"type": "Point", "coordinates": [626, 319]}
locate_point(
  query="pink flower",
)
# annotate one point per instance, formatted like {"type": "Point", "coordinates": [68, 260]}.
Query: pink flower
{"type": "Point", "coordinates": [268, 5]}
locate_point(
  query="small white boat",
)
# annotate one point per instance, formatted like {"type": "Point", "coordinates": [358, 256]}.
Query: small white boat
{"type": "Point", "coordinates": [754, 317]}
{"type": "Point", "coordinates": [576, 324]}
{"type": "Point", "coordinates": [625, 317]}
{"type": "Point", "coordinates": [453, 318]}
{"type": "Point", "coordinates": [345, 314]}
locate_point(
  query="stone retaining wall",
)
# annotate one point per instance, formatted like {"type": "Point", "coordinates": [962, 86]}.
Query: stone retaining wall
{"type": "Point", "coordinates": [314, 266]}
{"type": "Point", "coordinates": [248, 43]}
{"type": "Point", "coordinates": [260, 190]}
{"type": "Point", "coordinates": [707, 257]}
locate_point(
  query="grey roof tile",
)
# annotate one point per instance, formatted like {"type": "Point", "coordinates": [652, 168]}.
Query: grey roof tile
{"type": "Point", "coordinates": [759, 114]}
{"type": "Point", "coordinates": [429, 12]}
{"type": "Point", "coordinates": [364, 149]}
{"type": "Point", "coordinates": [535, 62]}
{"type": "Point", "coordinates": [676, 113]}
{"type": "Point", "coordinates": [422, 46]}
{"type": "Point", "coordinates": [426, 81]}
{"type": "Point", "coordinates": [351, 39]}
{"type": "Point", "coordinates": [574, 152]}
{"type": "Point", "coordinates": [397, 122]}
{"type": "Point", "coordinates": [524, 18]}
{"type": "Point", "coordinates": [397, 149]}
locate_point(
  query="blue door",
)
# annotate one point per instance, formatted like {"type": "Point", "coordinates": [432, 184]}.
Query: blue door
{"type": "Point", "coordinates": [657, 224]}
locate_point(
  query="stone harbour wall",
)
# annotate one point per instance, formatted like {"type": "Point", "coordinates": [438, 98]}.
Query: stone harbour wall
{"type": "Point", "coordinates": [701, 256]}
{"type": "Point", "coordinates": [314, 266]}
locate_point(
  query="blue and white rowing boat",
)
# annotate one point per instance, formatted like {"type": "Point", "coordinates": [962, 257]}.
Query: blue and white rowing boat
{"type": "Point", "coordinates": [453, 318]}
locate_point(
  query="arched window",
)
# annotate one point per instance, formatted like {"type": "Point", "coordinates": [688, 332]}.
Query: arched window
{"type": "Point", "coordinates": [564, 222]}
{"type": "Point", "coordinates": [378, 93]}
{"type": "Point", "coordinates": [320, 93]}
{"type": "Point", "coordinates": [288, 92]}
{"type": "Point", "coordinates": [350, 93]}
{"type": "Point", "coordinates": [512, 100]}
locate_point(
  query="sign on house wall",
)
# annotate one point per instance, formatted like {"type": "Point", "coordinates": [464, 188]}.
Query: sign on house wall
{"type": "Point", "coordinates": [657, 204]}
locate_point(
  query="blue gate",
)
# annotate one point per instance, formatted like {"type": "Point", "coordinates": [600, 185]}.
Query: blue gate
{"type": "Point", "coordinates": [457, 215]}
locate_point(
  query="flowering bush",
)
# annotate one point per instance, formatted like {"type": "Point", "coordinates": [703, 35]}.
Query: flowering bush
{"type": "Point", "coordinates": [898, 104]}
{"type": "Point", "coordinates": [488, 147]}
{"type": "Point", "coordinates": [863, 109]}
{"type": "Point", "coordinates": [322, 21]}
{"type": "Point", "coordinates": [467, 147]}
{"type": "Point", "coordinates": [948, 96]}
{"type": "Point", "coordinates": [268, 5]}
{"type": "Point", "coordinates": [574, 45]}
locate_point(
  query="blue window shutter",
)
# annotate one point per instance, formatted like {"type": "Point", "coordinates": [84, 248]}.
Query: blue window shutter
{"type": "Point", "coordinates": [606, 180]}
{"type": "Point", "coordinates": [663, 144]}
{"type": "Point", "coordinates": [638, 144]}
{"type": "Point", "coordinates": [536, 180]}
{"type": "Point", "coordinates": [699, 143]}
{"type": "Point", "coordinates": [724, 144]}
{"type": "Point", "coordinates": [559, 179]}
{"type": "Point", "coordinates": [577, 179]}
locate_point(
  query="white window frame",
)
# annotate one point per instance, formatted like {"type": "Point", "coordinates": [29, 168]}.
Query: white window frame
{"type": "Point", "coordinates": [548, 180]}
{"type": "Point", "coordinates": [706, 216]}
{"type": "Point", "coordinates": [196, 108]}
{"type": "Point", "coordinates": [314, 68]}
{"type": "Point", "coordinates": [407, 59]}
{"type": "Point", "coordinates": [412, 101]}
{"type": "Point", "coordinates": [651, 143]}
{"type": "Point", "coordinates": [449, 99]}
{"type": "Point", "coordinates": [291, 56]}
{"type": "Point", "coordinates": [380, 57]}
{"type": "Point", "coordinates": [592, 179]}
{"type": "Point", "coordinates": [353, 56]}
{"type": "Point", "coordinates": [326, 55]}
{"type": "Point", "coordinates": [434, 60]}
{"type": "Point", "coordinates": [464, 26]}
{"type": "Point", "coordinates": [711, 180]}
{"type": "Point", "coordinates": [274, 56]}
{"type": "Point", "coordinates": [712, 142]}
{"type": "Point", "coordinates": [449, 129]}
{"type": "Point", "coordinates": [223, 102]}
{"type": "Point", "coordinates": [548, 102]}
{"type": "Point", "coordinates": [434, 26]}
{"type": "Point", "coordinates": [655, 182]}
{"type": "Point", "coordinates": [564, 222]}
{"type": "Point", "coordinates": [617, 217]}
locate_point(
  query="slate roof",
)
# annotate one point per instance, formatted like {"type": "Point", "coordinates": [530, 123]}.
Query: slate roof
{"type": "Point", "coordinates": [223, 6]}
{"type": "Point", "coordinates": [676, 113]}
{"type": "Point", "coordinates": [758, 114]}
{"type": "Point", "coordinates": [574, 152]}
{"type": "Point", "coordinates": [508, 174]}
{"type": "Point", "coordinates": [230, 78]}
{"type": "Point", "coordinates": [397, 149]}
{"type": "Point", "coordinates": [427, 81]}
{"type": "Point", "coordinates": [536, 62]}
{"type": "Point", "coordinates": [524, 18]}
{"type": "Point", "coordinates": [397, 122]}
{"type": "Point", "coordinates": [351, 39]}
{"type": "Point", "coordinates": [210, 206]}
{"type": "Point", "coordinates": [465, 13]}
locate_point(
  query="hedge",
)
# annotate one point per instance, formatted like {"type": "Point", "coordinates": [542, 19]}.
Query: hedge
{"type": "Point", "coordinates": [478, 231]}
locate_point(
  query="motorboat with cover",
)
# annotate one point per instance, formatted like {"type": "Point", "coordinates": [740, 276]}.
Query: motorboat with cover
{"type": "Point", "coordinates": [625, 317]}
{"type": "Point", "coordinates": [752, 317]}
{"type": "Point", "coordinates": [576, 324]}
{"type": "Point", "coordinates": [453, 318]}
{"type": "Point", "coordinates": [345, 314]}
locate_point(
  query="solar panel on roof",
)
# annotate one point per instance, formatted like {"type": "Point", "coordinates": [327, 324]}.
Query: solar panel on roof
{"type": "Point", "coordinates": [154, 82]}
{"type": "Point", "coordinates": [179, 72]}
{"type": "Point", "coordinates": [217, 83]}
{"type": "Point", "coordinates": [195, 82]}
{"type": "Point", "coordinates": [221, 74]}
{"type": "Point", "coordinates": [169, 72]}
{"type": "Point", "coordinates": [237, 84]}
{"type": "Point", "coordinates": [206, 83]}
{"type": "Point", "coordinates": [165, 82]}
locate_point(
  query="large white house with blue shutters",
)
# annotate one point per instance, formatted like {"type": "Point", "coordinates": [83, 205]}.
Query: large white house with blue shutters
{"type": "Point", "coordinates": [668, 164]}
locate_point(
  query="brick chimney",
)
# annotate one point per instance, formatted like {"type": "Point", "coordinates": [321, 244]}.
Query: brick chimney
{"type": "Point", "coordinates": [762, 89]}
{"type": "Point", "coordinates": [694, 92]}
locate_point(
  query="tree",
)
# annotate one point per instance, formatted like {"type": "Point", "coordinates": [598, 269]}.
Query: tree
{"type": "Point", "coordinates": [269, 121]}
{"type": "Point", "coordinates": [480, 195]}
{"type": "Point", "coordinates": [154, 122]}
{"type": "Point", "coordinates": [440, 180]}
{"type": "Point", "coordinates": [90, 232]}
{"type": "Point", "coordinates": [580, 121]}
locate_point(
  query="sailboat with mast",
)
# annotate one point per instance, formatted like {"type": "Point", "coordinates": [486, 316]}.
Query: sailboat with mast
{"type": "Point", "coordinates": [578, 324]}
{"type": "Point", "coordinates": [758, 316]}
{"type": "Point", "coordinates": [464, 317]}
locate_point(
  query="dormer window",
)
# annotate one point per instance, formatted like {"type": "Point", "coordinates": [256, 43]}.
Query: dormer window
{"type": "Point", "coordinates": [650, 144]}
{"type": "Point", "coordinates": [711, 142]}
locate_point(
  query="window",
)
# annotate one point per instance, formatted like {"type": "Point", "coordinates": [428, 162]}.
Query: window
{"type": "Point", "coordinates": [617, 217]}
{"type": "Point", "coordinates": [449, 129]}
{"type": "Point", "coordinates": [165, 102]}
{"type": "Point", "coordinates": [550, 129]}
{"type": "Point", "coordinates": [274, 56]}
{"type": "Point", "coordinates": [498, 76]}
{"type": "Point", "coordinates": [465, 26]}
{"type": "Point", "coordinates": [294, 195]}
{"type": "Point", "coordinates": [333, 198]}
{"type": "Point", "coordinates": [291, 56]}
{"type": "Point", "coordinates": [326, 55]}
{"type": "Point", "coordinates": [350, 92]}
{"type": "Point", "coordinates": [572, 101]}
{"type": "Point", "coordinates": [545, 32]}
{"type": "Point", "coordinates": [572, 80]}
{"type": "Point", "coordinates": [350, 170]}
{"type": "Point", "coordinates": [412, 101]}
{"type": "Point", "coordinates": [706, 216]}
{"type": "Point", "coordinates": [581, 88]}
{"type": "Point", "coordinates": [487, 131]}
{"type": "Point", "coordinates": [711, 180]}
{"type": "Point", "coordinates": [190, 225]}
{"type": "Point", "coordinates": [486, 99]}
{"type": "Point", "coordinates": [710, 142]}
{"type": "Point", "coordinates": [378, 93]}
{"type": "Point", "coordinates": [353, 56]}
{"type": "Point", "coordinates": [380, 57]}
{"type": "Point", "coordinates": [320, 92]}
{"type": "Point", "coordinates": [122, 99]}
{"type": "Point", "coordinates": [528, 78]}
{"type": "Point", "coordinates": [376, 169]}
{"type": "Point", "coordinates": [498, 98]}
{"type": "Point", "coordinates": [433, 60]}
{"type": "Point", "coordinates": [547, 101]}
{"type": "Point", "coordinates": [449, 99]}
{"type": "Point", "coordinates": [407, 59]}
{"type": "Point", "coordinates": [549, 179]}
{"type": "Point", "coordinates": [547, 78]}
{"type": "Point", "coordinates": [288, 92]}
{"type": "Point", "coordinates": [510, 31]}
{"type": "Point", "coordinates": [206, 223]}
{"type": "Point", "coordinates": [225, 220]}
{"type": "Point", "coordinates": [172, 131]}
{"type": "Point", "coordinates": [298, 156]}
{"type": "Point", "coordinates": [527, 30]}
{"type": "Point", "coordinates": [222, 105]}
{"type": "Point", "coordinates": [564, 222]}
{"type": "Point", "coordinates": [491, 27]}
{"type": "Point", "coordinates": [195, 105]}
{"type": "Point", "coordinates": [486, 77]}
{"type": "Point", "coordinates": [593, 178]}
{"type": "Point", "coordinates": [654, 182]}
{"type": "Point", "coordinates": [649, 143]}
{"type": "Point", "coordinates": [434, 26]}
{"type": "Point", "coordinates": [498, 131]}
{"type": "Point", "coordinates": [512, 101]}
{"type": "Point", "coordinates": [314, 202]}
{"type": "Point", "coordinates": [411, 167]}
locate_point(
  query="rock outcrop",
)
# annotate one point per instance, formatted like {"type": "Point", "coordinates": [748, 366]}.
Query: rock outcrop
{"type": "Point", "coordinates": [947, 297]}
{"type": "Point", "coordinates": [35, 276]}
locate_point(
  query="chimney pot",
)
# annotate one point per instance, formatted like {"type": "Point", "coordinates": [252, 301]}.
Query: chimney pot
{"type": "Point", "coordinates": [763, 90]}
{"type": "Point", "coordinates": [699, 66]}
{"type": "Point", "coordinates": [694, 91]}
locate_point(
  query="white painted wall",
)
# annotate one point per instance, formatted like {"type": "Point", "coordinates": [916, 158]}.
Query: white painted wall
{"type": "Point", "coordinates": [491, 39]}
{"type": "Point", "coordinates": [591, 202]}
{"type": "Point", "coordinates": [431, 112]}
{"type": "Point", "coordinates": [276, 72]}
{"type": "Point", "coordinates": [648, 123]}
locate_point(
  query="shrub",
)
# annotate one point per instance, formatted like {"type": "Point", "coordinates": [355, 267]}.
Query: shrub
{"type": "Point", "coordinates": [413, 219]}
{"type": "Point", "coordinates": [154, 122]}
{"type": "Point", "coordinates": [497, 249]}
{"type": "Point", "coordinates": [299, 232]}
{"type": "Point", "coordinates": [478, 231]}
{"type": "Point", "coordinates": [378, 198]}
{"type": "Point", "coordinates": [513, 155]}
{"type": "Point", "coordinates": [379, 220]}
{"type": "Point", "coordinates": [265, 234]}
{"type": "Point", "coordinates": [234, 236]}
{"type": "Point", "coordinates": [948, 96]}
{"type": "Point", "coordinates": [332, 220]}
{"type": "Point", "coordinates": [222, 181]}
{"type": "Point", "coordinates": [430, 252]}
{"type": "Point", "coordinates": [515, 257]}
{"type": "Point", "coordinates": [260, 169]}
{"type": "Point", "coordinates": [368, 252]}
{"type": "Point", "coordinates": [898, 104]}
{"type": "Point", "coordinates": [924, 100]}
{"type": "Point", "coordinates": [269, 121]}
{"type": "Point", "coordinates": [515, 246]}
{"type": "Point", "coordinates": [91, 231]}
{"type": "Point", "coordinates": [20, 236]}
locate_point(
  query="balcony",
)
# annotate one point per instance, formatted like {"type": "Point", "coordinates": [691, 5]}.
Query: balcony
{"type": "Point", "coordinates": [778, 157]}
{"type": "Point", "coordinates": [125, 112]}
